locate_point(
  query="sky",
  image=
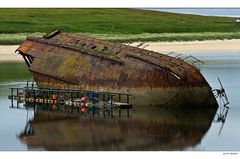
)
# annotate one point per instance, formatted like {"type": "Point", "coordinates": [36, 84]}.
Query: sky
{"type": "Point", "coordinates": [234, 12]}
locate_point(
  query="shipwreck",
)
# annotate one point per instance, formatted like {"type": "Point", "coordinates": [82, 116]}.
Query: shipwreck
{"type": "Point", "coordinates": [62, 60]}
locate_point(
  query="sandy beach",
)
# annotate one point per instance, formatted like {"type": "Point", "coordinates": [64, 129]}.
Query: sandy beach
{"type": "Point", "coordinates": [7, 52]}
{"type": "Point", "coordinates": [193, 46]}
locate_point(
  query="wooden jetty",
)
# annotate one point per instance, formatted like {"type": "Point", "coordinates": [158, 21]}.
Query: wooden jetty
{"type": "Point", "coordinates": [71, 101]}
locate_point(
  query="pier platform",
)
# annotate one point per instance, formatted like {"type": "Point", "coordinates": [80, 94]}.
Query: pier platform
{"type": "Point", "coordinates": [72, 101]}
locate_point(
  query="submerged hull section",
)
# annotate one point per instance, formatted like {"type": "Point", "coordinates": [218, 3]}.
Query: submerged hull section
{"type": "Point", "coordinates": [60, 60]}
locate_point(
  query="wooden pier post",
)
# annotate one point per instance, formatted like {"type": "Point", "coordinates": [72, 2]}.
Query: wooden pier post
{"type": "Point", "coordinates": [12, 97]}
{"type": "Point", "coordinates": [119, 112]}
{"type": "Point", "coordinates": [34, 108]}
{"type": "Point", "coordinates": [111, 112]}
{"type": "Point", "coordinates": [17, 99]}
{"type": "Point", "coordinates": [78, 111]}
{"type": "Point", "coordinates": [41, 97]}
{"type": "Point", "coordinates": [104, 112]}
{"type": "Point", "coordinates": [17, 92]}
{"type": "Point", "coordinates": [119, 97]}
{"type": "Point", "coordinates": [11, 92]}
{"type": "Point", "coordinates": [27, 83]}
{"type": "Point", "coordinates": [32, 84]}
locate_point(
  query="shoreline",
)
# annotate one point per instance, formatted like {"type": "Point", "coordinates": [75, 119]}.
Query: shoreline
{"type": "Point", "coordinates": [7, 52]}
{"type": "Point", "coordinates": [193, 46]}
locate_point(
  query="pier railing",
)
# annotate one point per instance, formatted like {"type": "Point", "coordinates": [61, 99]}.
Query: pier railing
{"type": "Point", "coordinates": [71, 101]}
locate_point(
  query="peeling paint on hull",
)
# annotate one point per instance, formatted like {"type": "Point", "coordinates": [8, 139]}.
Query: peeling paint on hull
{"type": "Point", "coordinates": [60, 60]}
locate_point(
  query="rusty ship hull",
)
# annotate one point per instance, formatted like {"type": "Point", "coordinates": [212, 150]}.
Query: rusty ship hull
{"type": "Point", "coordinates": [62, 60]}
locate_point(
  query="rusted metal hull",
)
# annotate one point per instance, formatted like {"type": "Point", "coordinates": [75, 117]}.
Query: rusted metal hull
{"type": "Point", "coordinates": [60, 60]}
{"type": "Point", "coordinates": [174, 96]}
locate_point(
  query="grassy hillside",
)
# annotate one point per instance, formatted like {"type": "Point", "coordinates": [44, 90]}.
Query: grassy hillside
{"type": "Point", "coordinates": [125, 24]}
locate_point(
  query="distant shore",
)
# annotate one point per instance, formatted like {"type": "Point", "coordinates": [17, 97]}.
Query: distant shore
{"type": "Point", "coordinates": [7, 52]}
{"type": "Point", "coordinates": [192, 46]}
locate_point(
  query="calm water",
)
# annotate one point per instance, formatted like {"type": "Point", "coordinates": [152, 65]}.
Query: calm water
{"type": "Point", "coordinates": [226, 12]}
{"type": "Point", "coordinates": [154, 129]}
{"type": "Point", "coordinates": [226, 66]}
{"type": "Point", "coordinates": [11, 121]}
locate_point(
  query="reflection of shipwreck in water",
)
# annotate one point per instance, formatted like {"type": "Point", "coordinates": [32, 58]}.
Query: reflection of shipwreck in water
{"type": "Point", "coordinates": [148, 129]}
{"type": "Point", "coordinates": [56, 126]}
{"type": "Point", "coordinates": [223, 101]}
{"type": "Point", "coordinates": [60, 60]}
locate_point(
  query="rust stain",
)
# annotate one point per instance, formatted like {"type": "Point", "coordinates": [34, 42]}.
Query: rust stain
{"type": "Point", "coordinates": [66, 61]}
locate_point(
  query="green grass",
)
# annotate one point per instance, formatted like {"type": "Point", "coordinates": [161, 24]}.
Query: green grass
{"type": "Point", "coordinates": [123, 25]}
{"type": "Point", "coordinates": [166, 36]}
{"type": "Point", "coordinates": [15, 39]}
